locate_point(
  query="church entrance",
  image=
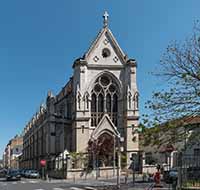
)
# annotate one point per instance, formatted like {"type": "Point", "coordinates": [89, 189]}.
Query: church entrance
{"type": "Point", "coordinates": [102, 151]}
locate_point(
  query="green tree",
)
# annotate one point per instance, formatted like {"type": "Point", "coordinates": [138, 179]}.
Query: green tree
{"type": "Point", "coordinates": [180, 68]}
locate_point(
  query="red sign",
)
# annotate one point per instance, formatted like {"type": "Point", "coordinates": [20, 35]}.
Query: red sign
{"type": "Point", "coordinates": [43, 163]}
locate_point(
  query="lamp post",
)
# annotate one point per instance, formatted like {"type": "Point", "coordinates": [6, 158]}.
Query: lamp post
{"type": "Point", "coordinates": [119, 141]}
{"type": "Point", "coordinates": [119, 163]}
{"type": "Point", "coordinates": [66, 160]}
{"type": "Point", "coordinates": [114, 156]}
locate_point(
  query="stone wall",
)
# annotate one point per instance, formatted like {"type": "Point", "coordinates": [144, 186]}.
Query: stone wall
{"type": "Point", "coordinates": [105, 172]}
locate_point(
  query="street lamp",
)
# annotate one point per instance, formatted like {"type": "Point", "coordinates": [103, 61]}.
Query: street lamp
{"type": "Point", "coordinates": [65, 156]}
{"type": "Point", "coordinates": [119, 141]}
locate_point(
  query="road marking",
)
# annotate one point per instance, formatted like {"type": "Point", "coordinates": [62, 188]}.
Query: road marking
{"type": "Point", "coordinates": [14, 183]}
{"type": "Point", "coordinates": [4, 184]}
{"type": "Point", "coordinates": [38, 189]}
{"type": "Point", "coordinates": [23, 182]}
{"type": "Point", "coordinates": [57, 188]}
{"type": "Point", "coordinates": [33, 181]}
{"type": "Point", "coordinates": [76, 188]}
{"type": "Point", "coordinates": [90, 188]}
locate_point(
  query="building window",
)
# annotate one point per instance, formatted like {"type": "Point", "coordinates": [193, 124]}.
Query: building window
{"type": "Point", "coordinates": [149, 160]}
{"type": "Point", "coordinates": [62, 109]}
{"type": "Point", "coordinates": [106, 52]}
{"type": "Point", "coordinates": [100, 103]}
{"type": "Point", "coordinates": [104, 100]}
{"type": "Point", "coordinates": [197, 152]}
{"type": "Point", "coordinates": [82, 128]}
{"type": "Point", "coordinates": [87, 101]}
{"type": "Point", "coordinates": [93, 103]}
{"type": "Point", "coordinates": [136, 100]}
{"type": "Point", "coordinates": [108, 103]}
{"type": "Point", "coordinates": [129, 101]}
{"type": "Point", "coordinates": [115, 103]}
{"type": "Point", "coordinates": [79, 101]}
{"type": "Point", "coordinates": [69, 109]}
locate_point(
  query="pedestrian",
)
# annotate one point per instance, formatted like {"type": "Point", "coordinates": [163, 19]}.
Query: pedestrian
{"type": "Point", "coordinates": [157, 177]}
{"type": "Point", "coordinates": [126, 177]}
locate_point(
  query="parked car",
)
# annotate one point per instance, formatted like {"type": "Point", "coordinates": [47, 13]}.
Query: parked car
{"type": "Point", "coordinates": [27, 173]}
{"type": "Point", "coordinates": [13, 175]}
{"type": "Point", "coordinates": [34, 174]}
{"type": "Point", "coordinates": [23, 172]}
{"type": "Point", "coordinates": [170, 176]}
{"type": "Point", "coordinates": [173, 173]}
{"type": "Point", "coordinates": [3, 173]}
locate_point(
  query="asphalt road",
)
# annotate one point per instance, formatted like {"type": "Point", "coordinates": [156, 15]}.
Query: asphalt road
{"type": "Point", "coordinates": [32, 184]}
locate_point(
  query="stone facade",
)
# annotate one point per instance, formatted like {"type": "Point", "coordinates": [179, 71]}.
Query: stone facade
{"type": "Point", "coordinates": [166, 155]}
{"type": "Point", "coordinates": [100, 98]}
{"type": "Point", "coordinates": [12, 151]}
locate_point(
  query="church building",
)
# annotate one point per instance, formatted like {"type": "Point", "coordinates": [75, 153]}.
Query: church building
{"type": "Point", "coordinates": [99, 104]}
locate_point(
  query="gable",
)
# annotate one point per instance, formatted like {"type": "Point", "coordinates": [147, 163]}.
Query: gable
{"type": "Point", "coordinates": [105, 126]}
{"type": "Point", "coordinates": [105, 50]}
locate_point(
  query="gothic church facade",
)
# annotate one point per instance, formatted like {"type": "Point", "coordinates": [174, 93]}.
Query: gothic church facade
{"type": "Point", "coordinates": [100, 99]}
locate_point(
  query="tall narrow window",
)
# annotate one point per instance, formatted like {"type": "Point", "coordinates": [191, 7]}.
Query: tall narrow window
{"type": "Point", "coordinates": [136, 98]}
{"type": "Point", "coordinates": [87, 101]}
{"type": "Point", "coordinates": [79, 101]}
{"type": "Point", "coordinates": [108, 103]}
{"type": "Point", "coordinates": [93, 103]}
{"type": "Point", "coordinates": [129, 101]}
{"type": "Point", "coordinates": [100, 103]}
{"type": "Point", "coordinates": [115, 103]}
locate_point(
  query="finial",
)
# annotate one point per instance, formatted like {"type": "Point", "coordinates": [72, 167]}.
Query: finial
{"type": "Point", "coordinates": [105, 19]}
{"type": "Point", "coordinates": [50, 94]}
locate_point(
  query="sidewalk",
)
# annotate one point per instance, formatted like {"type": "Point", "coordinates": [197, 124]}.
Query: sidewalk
{"type": "Point", "coordinates": [111, 182]}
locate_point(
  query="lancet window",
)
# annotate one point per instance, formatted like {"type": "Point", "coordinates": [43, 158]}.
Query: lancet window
{"type": "Point", "coordinates": [104, 99]}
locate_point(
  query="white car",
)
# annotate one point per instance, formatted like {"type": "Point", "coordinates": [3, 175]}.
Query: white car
{"type": "Point", "coordinates": [34, 174]}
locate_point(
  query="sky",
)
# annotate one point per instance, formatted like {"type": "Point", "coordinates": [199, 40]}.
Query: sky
{"type": "Point", "coordinates": [40, 39]}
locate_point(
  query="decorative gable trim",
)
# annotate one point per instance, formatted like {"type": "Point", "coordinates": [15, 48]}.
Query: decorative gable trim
{"type": "Point", "coordinates": [100, 129]}
{"type": "Point", "coordinates": [107, 32]}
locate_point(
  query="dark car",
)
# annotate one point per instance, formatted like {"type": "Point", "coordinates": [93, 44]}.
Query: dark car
{"type": "Point", "coordinates": [170, 176]}
{"type": "Point", "coordinates": [23, 172]}
{"type": "Point", "coordinates": [13, 175]}
{"type": "Point", "coordinates": [3, 173]}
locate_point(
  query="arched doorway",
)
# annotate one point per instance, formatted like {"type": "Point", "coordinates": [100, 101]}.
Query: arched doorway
{"type": "Point", "coordinates": [102, 150]}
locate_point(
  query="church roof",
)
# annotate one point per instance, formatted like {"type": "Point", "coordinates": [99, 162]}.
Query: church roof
{"type": "Point", "coordinates": [106, 31]}
{"type": "Point", "coordinates": [104, 37]}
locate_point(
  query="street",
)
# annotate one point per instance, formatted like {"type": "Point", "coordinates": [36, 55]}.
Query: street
{"type": "Point", "coordinates": [35, 184]}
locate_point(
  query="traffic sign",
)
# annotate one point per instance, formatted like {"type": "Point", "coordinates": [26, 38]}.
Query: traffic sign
{"type": "Point", "coordinates": [43, 163]}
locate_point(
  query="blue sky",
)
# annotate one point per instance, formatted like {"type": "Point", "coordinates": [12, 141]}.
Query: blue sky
{"type": "Point", "coordinates": [39, 40]}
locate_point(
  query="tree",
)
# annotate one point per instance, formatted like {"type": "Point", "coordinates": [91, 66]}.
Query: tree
{"type": "Point", "coordinates": [180, 67]}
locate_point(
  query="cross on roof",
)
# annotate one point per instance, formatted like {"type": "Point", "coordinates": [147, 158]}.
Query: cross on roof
{"type": "Point", "coordinates": [105, 19]}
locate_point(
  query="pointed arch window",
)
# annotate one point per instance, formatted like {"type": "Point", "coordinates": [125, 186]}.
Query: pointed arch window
{"type": "Point", "coordinates": [79, 101]}
{"type": "Point", "coordinates": [100, 103]}
{"type": "Point", "coordinates": [93, 103]}
{"type": "Point", "coordinates": [136, 100]}
{"type": "Point", "coordinates": [108, 103]}
{"type": "Point", "coordinates": [115, 103]}
{"type": "Point", "coordinates": [129, 100]}
{"type": "Point", "coordinates": [104, 100]}
{"type": "Point", "coordinates": [87, 101]}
